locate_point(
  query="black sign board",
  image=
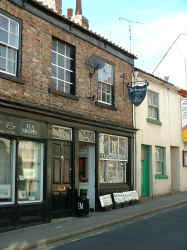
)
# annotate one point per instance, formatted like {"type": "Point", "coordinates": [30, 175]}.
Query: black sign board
{"type": "Point", "coordinates": [22, 127]}
{"type": "Point", "coordinates": [137, 94]}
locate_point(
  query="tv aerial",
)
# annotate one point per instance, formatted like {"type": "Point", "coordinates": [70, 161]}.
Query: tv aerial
{"type": "Point", "coordinates": [130, 22]}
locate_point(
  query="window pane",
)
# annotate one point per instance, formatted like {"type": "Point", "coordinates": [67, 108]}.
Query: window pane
{"type": "Point", "coordinates": [14, 27]}
{"type": "Point", "coordinates": [68, 76]}
{"type": "Point", "coordinates": [54, 45]}
{"type": "Point", "coordinates": [11, 67]}
{"type": "Point", "coordinates": [61, 61]}
{"type": "Point", "coordinates": [158, 167]}
{"type": "Point", "coordinates": [6, 171]}
{"type": "Point", "coordinates": [112, 172]}
{"type": "Point", "coordinates": [67, 88]}
{"type": "Point", "coordinates": [12, 55]}
{"type": "Point", "coordinates": [30, 171]}
{"type": "Point", "coordinates": [54, 83]}
{"type": "Point", "coordinates": [61, 86]}
{"type": "Point", "coordinates": [68, 51]}
{"type": "Point", "coordinates": [60, 74]}
{"type": "Point", "coordinates": [3, 36]}
{"type": "Point", "coordinates": [53, 71]}
{"type": "Point", "coordinates": [69, 64]}
{"type": "Point", "coordinates": [61, 48]}
{"type": "Point", "coordinates": [2, 64]}
{"type": "Point", "coordinates": [54, 58]}
{"type": "Point", "coordinates": [13, 40]}
{"type": "Point", "coordinates": [3, 23]}
{"type": "Point", "coordinates": [2, 51]}
{"type": "Point", "coordinates": [109, 99]}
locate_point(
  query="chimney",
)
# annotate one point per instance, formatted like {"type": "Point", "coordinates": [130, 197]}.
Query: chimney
{"type": "Point", "coordinates": [56, 5]}
{"type": "Point", "coordinates": [59, 6]}
{"type": "Point", "coordinates": [78, 7]}
{"type": "Point", "coordinates": [79, 18]}
{"type": "Point", "coordinates": [69, 13]}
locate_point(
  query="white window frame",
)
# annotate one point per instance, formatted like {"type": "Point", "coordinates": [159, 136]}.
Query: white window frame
{"type": "Point", "coordinates": [65, 68]}
{"type": "Point", "coordinates": [152, 105]}
{"type": "Point", "coordinates": [161, 161]}
{"type": "Point", "coordinates": [102, 82]}
{"type": "Point", "coordinates": [9, 47]}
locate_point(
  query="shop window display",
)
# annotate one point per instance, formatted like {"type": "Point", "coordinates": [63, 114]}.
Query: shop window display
{"type": "Point", "coordinates": [6, 171]}
{"type": "Point", "coordinates": [29, 171]}
{"type": "Point", "coordinates": [113, 156]}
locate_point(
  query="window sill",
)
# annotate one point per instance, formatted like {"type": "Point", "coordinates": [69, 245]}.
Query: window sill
{"type": "Point", "coordinates": [156, 122]}
{"type": "Point", "coordinates": [12, 78]}
{"type": "Point", "coordinates": [102, 105]}
{"type": "Point", "coordinates": [56, 92]}
{"type": "Point", "coordinates": [159, 176]}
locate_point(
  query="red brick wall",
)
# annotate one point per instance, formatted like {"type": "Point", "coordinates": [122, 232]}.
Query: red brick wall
{"type": "Point", "coordinates": [36, 56]}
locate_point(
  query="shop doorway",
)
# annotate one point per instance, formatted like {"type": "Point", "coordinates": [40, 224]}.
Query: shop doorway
{"type": "Point", "coordinates": [87, 172]}
{"type": "Point", "coordinates": [62, 201]}
{"type": "Point", "coordinates": [175, 166]}
{"type": "Point", "coordinates": [145, 171]}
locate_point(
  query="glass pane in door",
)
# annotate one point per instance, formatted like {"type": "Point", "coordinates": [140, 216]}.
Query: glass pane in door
{"type": "Point", "coordinates": [30, 171]}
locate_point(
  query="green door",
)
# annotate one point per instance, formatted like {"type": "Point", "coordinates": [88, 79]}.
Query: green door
{"type": "Point", "coordinates": [145, 170]}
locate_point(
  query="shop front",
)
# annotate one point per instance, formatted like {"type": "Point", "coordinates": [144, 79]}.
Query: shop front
{"type": "Point", "coordinates": [22, 169]}
{"type": "Point", "coordinates": [114, 168]}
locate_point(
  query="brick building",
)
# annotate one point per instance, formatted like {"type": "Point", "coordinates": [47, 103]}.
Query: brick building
{"type": "Point", "coordinates": [66, 122]}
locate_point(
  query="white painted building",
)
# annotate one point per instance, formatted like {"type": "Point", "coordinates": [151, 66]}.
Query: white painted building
{"type": "Point", "coordinates": [173, 65]}
{"type": "Point", "coordinates": [158, 139]}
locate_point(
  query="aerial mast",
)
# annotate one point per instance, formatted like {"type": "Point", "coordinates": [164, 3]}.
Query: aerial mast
{"type": "Point", "coordinates": [130, 22]}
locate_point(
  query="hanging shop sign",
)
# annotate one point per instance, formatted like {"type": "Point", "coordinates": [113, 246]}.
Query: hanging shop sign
{"type": "Point", "coordinates": [87, 136]}
{"type": "Point", "coordinates": [22, 127]}
{"type": "Point", "coordinates": [137, 94]}
{"type": "Point", "coordinates": [61, 133]}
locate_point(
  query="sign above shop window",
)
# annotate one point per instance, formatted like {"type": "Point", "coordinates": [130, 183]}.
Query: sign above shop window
{"type": "Point", "coordinates": [22, 127]}
{"type": "Point", "coordinates": [87, 136]}
{"type": "Point", "coordinates": [61, 133]}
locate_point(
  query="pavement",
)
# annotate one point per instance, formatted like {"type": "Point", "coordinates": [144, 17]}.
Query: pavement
{"type": "Point", "coordinates": [64, 228]}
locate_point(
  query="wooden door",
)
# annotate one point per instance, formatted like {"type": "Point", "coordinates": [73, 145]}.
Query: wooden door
{"type": "Point", "coordinates": [145, 173]}
{"type": "Point", "coordinates": [61, 177]}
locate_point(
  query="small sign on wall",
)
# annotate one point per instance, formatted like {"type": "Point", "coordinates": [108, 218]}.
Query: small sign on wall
{"type": "Point", "coordinates": [106, 200]}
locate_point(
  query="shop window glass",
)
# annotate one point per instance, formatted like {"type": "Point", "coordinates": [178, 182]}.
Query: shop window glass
{"type": "Point", "coordinates": [6, 171]}
{"type": "Point", "coordinates": [29, 171]}
{"type": "Point", "coordinates": [113, 154]}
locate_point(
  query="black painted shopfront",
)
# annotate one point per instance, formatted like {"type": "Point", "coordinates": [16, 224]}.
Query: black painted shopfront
{"type": "Point", "coordinates": [46, 162]}
{"type": "Point", "coordinates": [22, 170]}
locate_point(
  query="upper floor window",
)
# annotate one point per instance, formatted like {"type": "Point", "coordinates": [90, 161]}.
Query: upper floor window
{"type": "Point", "coordinates": [63, 67]}
{"type": "Point", "coordinates": [105, 84]}
{"type": "Point", "coordinates": [153, 105]}
{"type": "Point", "coordinates": [9, 44]}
